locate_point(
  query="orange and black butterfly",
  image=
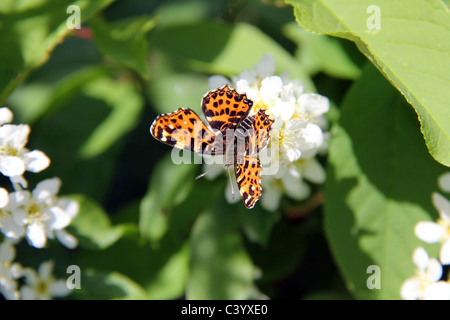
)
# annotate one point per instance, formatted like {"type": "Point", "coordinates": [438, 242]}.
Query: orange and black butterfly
{"type": "Point", "coordinates": [235, 134]}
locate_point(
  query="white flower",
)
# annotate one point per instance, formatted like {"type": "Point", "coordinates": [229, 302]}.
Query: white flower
{"type": "Point", "coordinates": [6, 116]}
{"type": "Point", "coordinates": [8, 226]}
{"type": "Point", "coordinates": [425, 285]}
{"type": "Point", "coordinates": [444, 182]}
{"type": "Point", "coordinates": [298, 128]}
{"type": "Point", "coordinates": [15, 159]}
{"type": "Point", "coordinates": [433, 232]}
{"type": "Point", "coordinates": [8, 283]}
{"type": "Point", "coordinates": [42, 285]}
{"type": "Point", "coordinates": [42, 214]}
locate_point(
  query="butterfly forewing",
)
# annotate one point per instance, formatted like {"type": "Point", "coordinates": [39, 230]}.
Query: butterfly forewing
{"type": "Point", "coordinates": [224, 109]}
{"type": "Point", "coordinates": [183, 129]}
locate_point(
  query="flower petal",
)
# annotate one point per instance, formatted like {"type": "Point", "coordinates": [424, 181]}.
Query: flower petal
{"type": "Point", "coordinates": [36, 161]}
{"type": "Point", "coordinates": [434, 271]}
{"type": "Point", "coordinates": [270, 89]}
{"type": "Point", "coordinates": [313, 171]}
{"type": "Point", "coordinates": [295, 187]}
{"type": "Point", "coordinates": [442, 205]}
{"type": "Point", "coordinates": [444, 182]}
{"type": "Point", "coordinates": [7, 252]}
{"type": "Point", "coordinates": [4, 197]}
{"type": "Point", "coordinates": [36, 235]}
{"type": "Point", "coordinates": [265, 67]}
{"type": "Point", "coordinates": [410, 289]}
{"type": "Point", "coordinates": [46, 189]}
{"type": "Point", "coordinates": [11, 166]}
{"type": "Point", "coordinates": [430, 232]}
{"type": "Point", "coordinates": [60, 218]}
{"type": "Point", "coordinates": [421, 259]}
{"type": "Point", "coordinates": [437, 291]}
{"type": "Point", "coordinates": [6, 115]}
{"type": "Point", "coordinates": [11, 229]}
{"type": "Point", "coordinates": [19, 180]}
{"type": "Point", "coordinates": [314, 104]}
{"type": "Point", "coordinates": [59, 289]}
{"type": "Point", "coordinates": [444, 253]}
{"type": "Point", "coordinates": [46, 269]}
{"type": "Point", "coordinates": [71, 207]}
{"type": "Point", "coordinates": [68, 240]}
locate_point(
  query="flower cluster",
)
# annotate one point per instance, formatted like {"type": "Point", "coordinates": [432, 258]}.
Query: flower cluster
{"type": "Point", "coordinates": [36, 216]}
{"type": "Point", "coordinates": [298, 133]}
{"type": "Point", "coordinates": [427, 283]}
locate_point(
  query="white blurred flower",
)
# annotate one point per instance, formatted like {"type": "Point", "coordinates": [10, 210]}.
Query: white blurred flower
{"type": "Point", "coordinates": [42, 214]}
{"type": "Point", "coordinates": [15, 159]}
{"type": "Point", "coordinates": [6, 115]}
{"type": "Point", "coordinates": [8, 283]}
{"type": "Point", "coordinates": [434, 232]}
{"type": "Point", "coordinates": [299, 129]}
{"type": "Point", "coordinates": [8, 226]}
{"type": "Point", "coordinates": [425, 285]}
{"type": "Point", "coordinates": [42, 285]}
{"type": "Point", "coordinates": [444, 182]}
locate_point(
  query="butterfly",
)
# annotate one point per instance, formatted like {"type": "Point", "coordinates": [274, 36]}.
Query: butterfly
{"type": "Point", "coordinates": [234, 133]}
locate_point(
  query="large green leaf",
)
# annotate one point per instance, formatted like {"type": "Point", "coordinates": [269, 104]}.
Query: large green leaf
{"type": "Point", "coordinates": [101, 285]}
{"type": "Point", "coordinates": [124, 41]}
{"type": "Point", "coordinates": [379, 184]}
{"type": "Point", "coordinates": [126, 105]}
{"type": "Point", "coordinates": [170, 185]}
{"type": "Point", "coordinates": [32, 29]}
{"type": "Point", "coordinates": [322, 53]}
{"type": "Point", "coordinates": [220, 266]}
{"type": "Point", "coordinates": [92, 225]}
{"type": "Point", "coordinates": [411, 48]}
{"type": "Point", "coordinates": [160, 270]}
{"type": "Point", "coordinates": [224, 49]}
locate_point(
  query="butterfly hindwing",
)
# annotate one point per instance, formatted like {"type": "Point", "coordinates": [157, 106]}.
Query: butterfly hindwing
{"type": "Point", "coordinates": [248, 178]}
{"type": "Point", "coordinates": [184, 129]}
{"type": "Point", "coordinates": [253, 133]}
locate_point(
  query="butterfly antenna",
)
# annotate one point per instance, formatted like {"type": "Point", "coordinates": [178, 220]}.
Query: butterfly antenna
{"type": "Point", "coordinates": [231, 183]}
{"type": "Point", "coordinates": [205, 173]}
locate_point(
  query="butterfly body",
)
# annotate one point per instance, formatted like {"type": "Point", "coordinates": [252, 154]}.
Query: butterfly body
{"type": "Point", "coordinates": [235, 134]}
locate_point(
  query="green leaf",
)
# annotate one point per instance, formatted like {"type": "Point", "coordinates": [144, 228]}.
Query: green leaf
{"type": "Point", "coordinates": [219, 48]}
{"type": "Point", "coordinates": [379, 183]}
{"type": "Point", "coordinates": [126, 105]}
{"type": "Point", "coordinates": [32, 30]}
{"type": "Point", "coordinates": [318, 53]}
{"type": "Point", "coordinates": [169, 186]}
{"type": "Point", "coordinates": [173, 91]}
{"type": "Point", "coordinates": [124, 41]}
{"type": "Point", "coordinates": [257, 223]}
{"type": "Point", "coordinates": [161, 271]}
{"type": "Point", "coordinates": [169, 281]}
{"type": "Point", "coordinates": [98, 285]}
{"type": "Point", "coordinates": [220, 266]}
{"type": "Point", "coordinates": [92, 226]}
{"type": "Point", "coordinates": [410, 48]}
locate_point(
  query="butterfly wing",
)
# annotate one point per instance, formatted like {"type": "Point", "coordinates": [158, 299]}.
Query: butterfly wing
{"type": "Point", "coordinates": [248, 178]}
{"type": "Point", "coordinates": [253, 133]}
{"type": "Point", "coordinates": [251, 137]}
{"type": "Point", "coordinates": [184, 129]}
{"type": "Point", "coordinates": [224, 109]}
